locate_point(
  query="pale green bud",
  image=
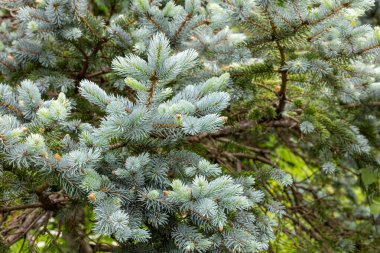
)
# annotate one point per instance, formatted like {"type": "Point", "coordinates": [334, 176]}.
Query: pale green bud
{"type": "Point", "coordinates": [33, 25]}
{"type": "Point", "coordinates": [183, 106]}
{"type": "Point", "coordinates": [63, 100]}
{"type": "Point", "coordinates": [377, 33]}
{"type": "Point", "coordinates": [153, 194]}
{"type": "Point", "coordinates": [328, 4]}
{"type": "Point", "coordinates": [163, 108]}
{"type": "Point", "coordinates": [44, 114]}
{"type": "Point", "coordinates": [134, 84]}
{"type": "Point", "coordinates": [177, 185]}
{"type": "Point", "coordinates": [36, 142]}
{"type": "Point", "coordinates": [170, 9]}
{"type": "Point", "coordinates": [15, 133]}
{"type": "Point", "coordinates": [167, 92]}
{"type": "Point", "coordinates": [142, 5]}
{"type": "Point", "coordinates": [178, 119]}
{"type": "Point", "coordinates": [190, 247]}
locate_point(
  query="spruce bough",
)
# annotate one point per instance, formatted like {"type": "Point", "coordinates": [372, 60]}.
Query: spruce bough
{"type": "Point", "coordinates": [101, 102]}
{"type": "Point", "coordinates": [130, 167]}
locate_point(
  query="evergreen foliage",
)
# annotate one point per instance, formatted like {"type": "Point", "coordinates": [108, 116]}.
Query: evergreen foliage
{"type": "Point", "coordinates": [112, 125]}
{"type": "Point", "coordinates": [325, 83]}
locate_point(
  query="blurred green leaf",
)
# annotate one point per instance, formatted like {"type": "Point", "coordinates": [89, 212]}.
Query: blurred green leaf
{"type": "Point", "coordinates": [369, 177]}
{"type": "Point", "coordinates": [375, 206]}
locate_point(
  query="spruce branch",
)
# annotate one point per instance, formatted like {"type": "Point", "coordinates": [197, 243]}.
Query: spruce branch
{"type": "Point", "coordinates": [90, 28]}
{"type": "Point", "coordinates": [153, 82]}
{"type": "Point", "coordinates": [7, 65]}
{"type": "Point", "coordinates": [284, 72]}
{"type": "Point", "coordinates": [332, 13]}
{"type": "Point", "coordinates": [255, 158]}
{"type": "Point", "coordinates": [127, 156]}
{"type": "Point", "coordinates": [196, 36]}
{"type": "Point", "coordinates": [203, 22]}
{"type": "Point", "coordinates": [11, 108]}
{"type": "Point", "coordinates": [365, 50]}
{"type": "Point", "coordinates": [284, 80]}
{"type": "Point", "coordinates": [98, 73]}
{"type": "Point", "coordinates": [21, 207]}
{"type": "Point", "coordinates": [373, 103]}
{"type": "Point", "coordinates": [318, 34]}
{"type": "Point", "coordinates": [181, 27]}
{"type": "Point", "coordinates": [86, 62]}
{"type": "Point", "coordinates": [155, 23]}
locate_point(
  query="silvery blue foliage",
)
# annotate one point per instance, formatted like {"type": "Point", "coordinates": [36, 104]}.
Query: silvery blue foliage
{"type": "Point", "coordinates": [280, 176]}
{"type": "Point", "coordinates": [307, 127]}
{"type": "Point", "coordinates": [131, 166]}
{"type": "Point", "coordinates": [277, 208]}
{"type": "Point", "coordinates": [127, 160]}
{"type": "Point", "coordinates": [329, 167]}
{"type": "Point", "coordinates": [320, 50]}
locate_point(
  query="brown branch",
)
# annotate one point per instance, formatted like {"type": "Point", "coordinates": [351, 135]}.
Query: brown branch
{"type": "Point", "coordinates": [111, 12]}
{"type": "Point", "coordinates": [24, 227]}
{"type": "Point", "coordinates": [204, 22]}
{"type": "Point", "coordinates": [166, 126]}
{"type": "Point", "coordinates": [130, 22]}
{"type": "Point", "coordinates": [318, 34]}
{"type": "Point", "coordinates": [86, 62]}
{"type": "Point", "coordinates": [265, 87]}
{"type": "Point", "coordinates": [181, 27]}
{"type": "Point", "coordinates": [368, 49]}
{"type": "Point", "coordinates": [84, 20]}
{"type": "Point", "coordinates": [117, 145]}
{"type": "Point", "coordinates": [332, 13]}
{"type": "Point", "coordinates": [104, 247]}
{"type": "Point", "coordinates": [255, 157]}
{"type": "Point", "coordinates": [7, 65]}
{"type": "Point", "coordinates": [284, 74]}
{"type": "Point", "coordinates": [196, 36]}
{"type": "Point", "coordinates": [294, 31]}
{"type": "Point", "coordinates": [12, 108]}
{"type": "Point", "coordinates": [284, 80]}
{"type": "Point", "coordinates": [151, 89]}
{"type": "Point", "coordinates": [296, 9]}
{"type": "Point", "coordinates": [155, 23]}
{"type": "Point", "coordinates": [84, 54]}
{"type": "Point", "coordinates": [253, 149]}
{"type": "Point", "coordinates": [21, 207]}
{"type": "Point", "coordinates": [99, 73]}
{"type": "Point", "coordinates": [75, 5]}
{"type": "Point", "coordinates": [258, 25]}
{"type": "Point", "coordinates": [283, 123]}
{"type": "Point", "coordinates": [241, 126]}
{"type": "Point", "coordinates": [48, 201]}
{"type": "Point", "coordinates": [40, 18]}
{"type": "Point", "coordinates": [375, 103]}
